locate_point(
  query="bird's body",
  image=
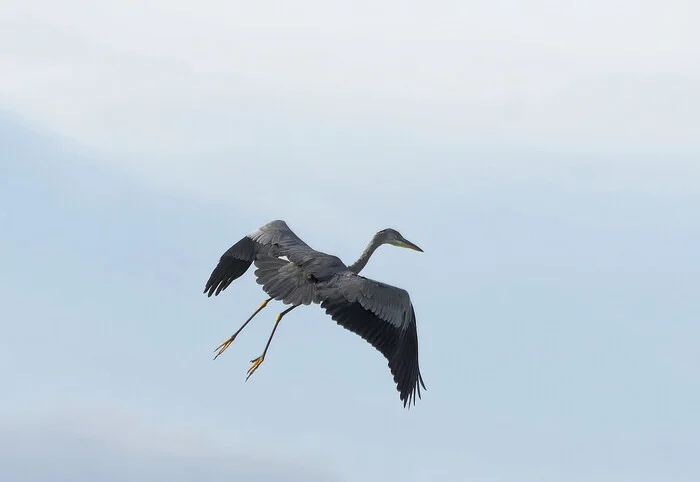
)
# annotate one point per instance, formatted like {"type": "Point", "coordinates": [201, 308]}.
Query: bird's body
{"type": "Point", "coordinates": [290, 271]}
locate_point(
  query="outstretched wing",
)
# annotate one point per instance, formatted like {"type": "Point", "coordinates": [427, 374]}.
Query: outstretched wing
{"type": "Point", "coordinates": [383, 315]}
{"type": "Point", "coordinates": [272, 239]}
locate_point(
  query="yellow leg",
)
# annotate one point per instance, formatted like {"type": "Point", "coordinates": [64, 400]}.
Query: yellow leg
{"type": "Point", "coordinates": [258, 361]}
{"type": "Point", "coordinates": [221, 348]}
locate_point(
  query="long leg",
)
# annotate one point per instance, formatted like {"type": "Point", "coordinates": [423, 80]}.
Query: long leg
{"type": "Point", "coordinates": [256, 363]}
{"type": "Point", "coordinates": [221, 348]}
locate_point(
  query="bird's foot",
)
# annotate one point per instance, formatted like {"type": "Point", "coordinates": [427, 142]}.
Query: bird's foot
{"type": "Point", "coordinates": [256, 363]}
{"type": "Point", "coordinates": [221, 348]}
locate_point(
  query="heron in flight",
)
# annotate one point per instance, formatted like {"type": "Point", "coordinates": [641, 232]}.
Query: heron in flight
{"type": "Point", "coordinates": [290, 271]}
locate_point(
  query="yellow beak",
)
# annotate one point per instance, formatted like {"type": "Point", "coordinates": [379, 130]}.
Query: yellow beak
{"type": "Point", "coordinates": [405, 243]}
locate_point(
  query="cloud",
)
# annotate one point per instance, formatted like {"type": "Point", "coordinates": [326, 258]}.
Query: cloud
{"type": "Point", "coordinates": [200, 96]}
{"type": "Point", "coordinates": [104, 447]}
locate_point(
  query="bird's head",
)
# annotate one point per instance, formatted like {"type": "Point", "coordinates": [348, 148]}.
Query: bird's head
{"type": "Point", "coordinates": [393, 237]}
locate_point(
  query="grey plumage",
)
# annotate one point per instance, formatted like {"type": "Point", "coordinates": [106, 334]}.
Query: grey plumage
{"type": "Point", "coordinates": [289, 270]}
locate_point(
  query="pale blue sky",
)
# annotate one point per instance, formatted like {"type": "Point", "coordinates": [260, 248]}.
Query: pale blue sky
{"type": "Point", "coordinates": [549, 174]}
{"type": "Point", "coordinates": [558, 334]}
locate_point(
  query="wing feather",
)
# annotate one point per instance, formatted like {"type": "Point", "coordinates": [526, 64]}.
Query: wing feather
{"type": "Point", "coordinates": [272, 239]}
{"type": "Point", "coordinates": [284, 281]}
{"type": "Point", "coordinates": [383, 315]}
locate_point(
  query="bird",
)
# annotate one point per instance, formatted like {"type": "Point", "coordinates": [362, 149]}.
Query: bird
{"type": "Point", "coordinates": [292, 272]}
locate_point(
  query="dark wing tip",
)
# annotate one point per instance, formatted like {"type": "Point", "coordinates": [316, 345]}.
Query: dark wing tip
{"type": "Point", "coordinates": [405, 362]}
{"type": "Point", "coordinates": [228, 270]}
{"type": "Point", "coordinates": [232, 264]}
{"type": "Point", "coordinates": [410, 397]}
{"type": "Point", "coordinates": [399, 345]}
{"type": "Point", "coordinates": [214, 287]}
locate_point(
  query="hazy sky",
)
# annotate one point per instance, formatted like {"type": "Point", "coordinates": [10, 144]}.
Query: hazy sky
{"type": "Point", "coordinates": [545, 156]}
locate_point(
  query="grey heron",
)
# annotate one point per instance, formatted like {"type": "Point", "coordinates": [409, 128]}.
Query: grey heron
{"type": "Point", "coordinates": [290, 271]}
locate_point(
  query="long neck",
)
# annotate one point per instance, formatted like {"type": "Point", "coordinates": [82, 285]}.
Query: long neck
{"type": "Point", "coordinates": [357, 266]}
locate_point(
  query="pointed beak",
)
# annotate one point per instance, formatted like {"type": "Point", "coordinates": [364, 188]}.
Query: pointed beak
{"type": "Point", "coordinates": [407, 244]}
